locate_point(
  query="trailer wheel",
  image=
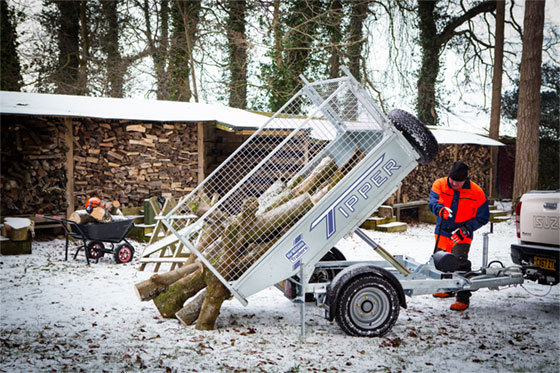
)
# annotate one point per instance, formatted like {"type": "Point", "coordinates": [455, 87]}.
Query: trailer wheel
{"type": "Point", "coordinates": [95, 250]}
{"type": "Point", "coordinates": [123, 253]}
{"type": "Point", "coordinates": [417, 134]}
{"type": "Point", "coordinates": [367, 306]}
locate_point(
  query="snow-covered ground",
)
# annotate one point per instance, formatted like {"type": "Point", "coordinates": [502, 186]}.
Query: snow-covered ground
{"type": "Point", "coordinates": [66, 316]}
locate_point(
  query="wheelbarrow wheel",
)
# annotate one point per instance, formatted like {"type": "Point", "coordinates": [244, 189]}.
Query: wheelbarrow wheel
{"type": "Point", "coordinates": [417, 134]}
{"type": "Point", "coordinates": [123, 253]}
{"type": "Point", "coordinates": [96, 250]}
{"type": "Point", "coordinates": [368, 306]}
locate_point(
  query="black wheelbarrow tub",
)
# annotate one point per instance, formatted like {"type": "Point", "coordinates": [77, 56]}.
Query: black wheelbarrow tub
{"type": "Point", "coordinates": [113, 232]}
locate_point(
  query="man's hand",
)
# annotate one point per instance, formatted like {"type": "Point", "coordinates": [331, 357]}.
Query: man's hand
{"type": "Point", "coordinates": [445, 213]}
{"type": "Point", "coordinates": [460, 234]}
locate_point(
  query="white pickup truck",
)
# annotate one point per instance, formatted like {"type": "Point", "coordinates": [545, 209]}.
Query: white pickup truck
{"type": "Point", "coordinates": [537, 221]}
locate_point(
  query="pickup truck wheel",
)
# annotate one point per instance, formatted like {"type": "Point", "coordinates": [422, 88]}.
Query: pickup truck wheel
{"type": "Point", "coordinates": [417, 134]}
{"type": "Point", "coordinates": [368, 306]}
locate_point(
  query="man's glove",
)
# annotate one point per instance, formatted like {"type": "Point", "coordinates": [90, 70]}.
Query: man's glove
{"type": "Point", "coordinates": [445, 213]}
{"type": "Point", "coordinates": [460, 234]}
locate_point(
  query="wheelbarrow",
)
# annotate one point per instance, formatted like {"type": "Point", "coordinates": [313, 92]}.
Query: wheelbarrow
{"type": "Point", "coordinates": [94, 236]}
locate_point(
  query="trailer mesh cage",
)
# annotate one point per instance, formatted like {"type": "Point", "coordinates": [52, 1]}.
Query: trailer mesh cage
{"type": "Point", "coordinates": [238, 212]}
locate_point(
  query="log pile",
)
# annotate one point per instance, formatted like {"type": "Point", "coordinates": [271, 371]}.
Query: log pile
{"type": "Point", "coordinates": [232, 244]}
{"type": "Point", "coordinates": [416, 186]}
{"type": "Point", "coordinates": [33, 176]}
{"type": "Point", "coordinates": [131, 161]}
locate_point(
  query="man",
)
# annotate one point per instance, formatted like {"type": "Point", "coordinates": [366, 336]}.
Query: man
{"type": "Point", "coordinates": [461, 207]}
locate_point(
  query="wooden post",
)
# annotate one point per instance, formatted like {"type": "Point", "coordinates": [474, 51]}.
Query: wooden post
{"type": "Point", "coordinates": [201, 152]}
{"type": "Point", "coordinates": [69, 142]}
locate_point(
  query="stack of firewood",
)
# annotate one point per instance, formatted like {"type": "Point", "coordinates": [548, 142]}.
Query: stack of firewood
{"type": "Point", "coordinates": [33, 166]}
{"type": "Point", "coordinates": [416, 186]}
{"type": "Point", "coordinates": [131, 161]}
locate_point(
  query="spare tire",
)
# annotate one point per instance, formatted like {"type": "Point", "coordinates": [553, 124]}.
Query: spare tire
{"type": "Point", "coordinates": [417, 134]}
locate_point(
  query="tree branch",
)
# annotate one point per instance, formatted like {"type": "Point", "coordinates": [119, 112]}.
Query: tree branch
{"type": "Point", "coordinates": [449, 30]}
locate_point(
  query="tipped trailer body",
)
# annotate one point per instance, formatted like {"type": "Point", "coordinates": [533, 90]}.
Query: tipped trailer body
{"type": "Point", "coordinates": [274, 222]}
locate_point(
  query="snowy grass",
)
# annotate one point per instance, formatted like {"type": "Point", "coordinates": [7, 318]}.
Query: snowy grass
{"type": "Point", "coordinates": [66, 316]}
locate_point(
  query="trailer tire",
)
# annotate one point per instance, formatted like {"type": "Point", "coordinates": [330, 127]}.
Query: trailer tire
{"type": "Point", "coordinates": [123, 253]}
{"type": "Point", "coordinates": [417, 134]}
{"type": "Point", "coordinates": [367, 306]}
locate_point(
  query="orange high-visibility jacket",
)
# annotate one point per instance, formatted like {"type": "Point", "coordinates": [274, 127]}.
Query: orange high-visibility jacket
{"type": "Point", "coordinates": [469, 206]}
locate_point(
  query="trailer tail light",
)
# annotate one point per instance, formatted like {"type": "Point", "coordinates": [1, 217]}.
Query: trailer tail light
{"type": "Point", "coordinates": [518, 219]}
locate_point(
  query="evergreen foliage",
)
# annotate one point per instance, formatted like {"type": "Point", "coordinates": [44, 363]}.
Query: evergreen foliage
{"type": "Point", "coordinates": [10, 69]}
{"type": "Point", "coordinates": [549, 126]}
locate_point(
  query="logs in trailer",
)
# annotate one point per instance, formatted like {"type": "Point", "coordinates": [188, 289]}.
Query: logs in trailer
{"type": "Point", "coordinates": [336, 159]}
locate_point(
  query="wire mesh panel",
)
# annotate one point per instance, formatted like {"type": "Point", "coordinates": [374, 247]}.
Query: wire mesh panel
{"type": "Point", "coordinates": [277, 175]}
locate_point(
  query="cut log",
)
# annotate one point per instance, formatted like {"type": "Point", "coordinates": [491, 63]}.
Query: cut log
{"type": "Point", "coordinates": [102, 214]}
{"type": "Point", "coordinates": [216, 294]}
{"type": "Point", "coordinates": [189, 314]}
{"type": "Point", "coordinates": [150, 288]}
{"type": "Point", "coordinates": [81, 217]}
{"type": "Point", "coordinates": [172, 300]}
{"type": "Point", "coordinates": [320, 174]}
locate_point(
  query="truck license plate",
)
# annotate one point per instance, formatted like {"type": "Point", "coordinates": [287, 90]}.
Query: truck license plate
{"type": "Point", "coordinates": [545, 263]}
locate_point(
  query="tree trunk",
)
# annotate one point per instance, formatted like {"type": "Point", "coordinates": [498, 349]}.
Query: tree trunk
{"type": "Point", "coordinates": [496, 111]}
{"type": "Point", "coordinates": [429, 69]}
{"type": "Point", "coordinates": [237, 53]}
{"type": "Point", "coordinates": [185, 20]}
{"type": "Point", "coordinates": [114, 63]}
{"type": "Point", "coordinates": [334, 29]}
{"type": "Point", "coordinates": [84, 56]}
{"type": "Point", "coordinates": [357, 40]}
{"type": "Point", "coordinates": [67, 72]}
{"type": "Point", "coordinates": [528, 115]}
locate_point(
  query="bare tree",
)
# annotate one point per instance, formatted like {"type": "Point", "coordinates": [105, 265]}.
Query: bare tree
{"type": "Point", "coordinates": [529, 111]}
{"type": "Point", "coordinates": [432, 42]}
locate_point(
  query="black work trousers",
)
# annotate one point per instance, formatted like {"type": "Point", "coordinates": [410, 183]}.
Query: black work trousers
{"type": "Point", "coordinates": [461, 251]}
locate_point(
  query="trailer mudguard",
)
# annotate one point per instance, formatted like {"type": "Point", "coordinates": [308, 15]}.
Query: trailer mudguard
{"type": "Point", "coordinates": [357, 270]}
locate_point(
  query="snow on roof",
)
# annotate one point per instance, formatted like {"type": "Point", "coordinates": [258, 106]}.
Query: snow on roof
{"type": "Point", "coordinates": [170, 111]}
{"type": "Point", "coordinates": [454, 136]}
{"type": "Point", "coordinates": [119, 108]}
